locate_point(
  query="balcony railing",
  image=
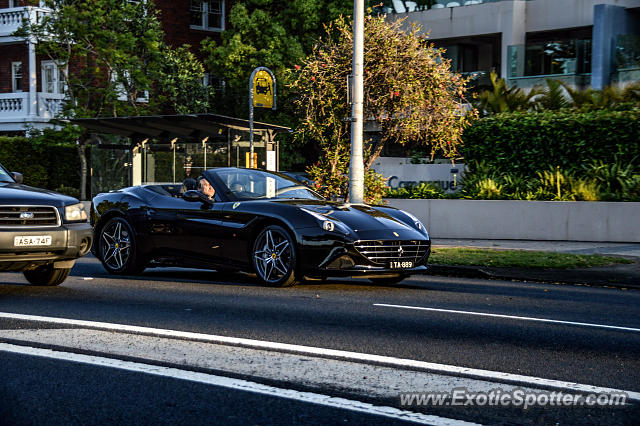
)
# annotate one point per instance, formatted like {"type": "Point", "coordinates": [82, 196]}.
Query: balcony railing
{"type": "Point", "coordinates": [11, 19]}
{"type": "Point", "coordinates": [15, 106]}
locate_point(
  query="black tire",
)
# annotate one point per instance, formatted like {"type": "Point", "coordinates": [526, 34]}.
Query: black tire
{"type": "Point", "coordinates": [47, 275]}
{"type": "Point", "coordinates": [274, 257]}
{"type": "Point", "coordinates": [392, 279]}
{"type": "Point", "coordinates": [117, 249]}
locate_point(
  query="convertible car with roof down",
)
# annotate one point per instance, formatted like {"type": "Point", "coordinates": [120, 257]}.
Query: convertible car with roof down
{"type": "Point", "coordinates": [258, 221]}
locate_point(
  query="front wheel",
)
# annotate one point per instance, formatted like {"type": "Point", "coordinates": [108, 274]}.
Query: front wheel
{"type": "Point", "coordinates": [117, 248]}
{"type": "Point", "coordinates": [47, 275]}
{"type": "Point", "coordinates": [274, 257]}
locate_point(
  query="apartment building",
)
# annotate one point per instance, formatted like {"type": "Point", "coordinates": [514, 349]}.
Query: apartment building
{"type": "Point", "coordinates": [582, 42]}
{"type": "Point", "coordinates": [31, 88]}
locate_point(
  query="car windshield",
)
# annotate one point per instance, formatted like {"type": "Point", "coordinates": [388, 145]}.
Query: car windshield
{"type": "Point", "coordinates": [5, 176]}
{"type": "Point", "coordinates": [246, 184]}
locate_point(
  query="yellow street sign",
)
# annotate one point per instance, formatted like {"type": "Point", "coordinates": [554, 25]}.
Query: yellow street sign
{"type": "Point", "coordinates": [262, 90]}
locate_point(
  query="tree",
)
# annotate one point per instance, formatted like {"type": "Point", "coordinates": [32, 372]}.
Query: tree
{"type": "Point", "coordinates": [410, 93]}
{"type": "Point", "coordinates": [180, 82]}
{"type": "Point", "coordinates": [268, 33]}
{"type": "Point", "coordinates": [113, 60]}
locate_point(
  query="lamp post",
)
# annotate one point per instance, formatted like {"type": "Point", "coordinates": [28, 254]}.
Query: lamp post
{"type": "Point", "coordinates": [356, 167]}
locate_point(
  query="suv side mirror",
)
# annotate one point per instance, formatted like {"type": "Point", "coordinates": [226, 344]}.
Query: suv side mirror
{"type": "Point", "coordinates": [17, 177]}
{"type": "Point", "coordinates": [195, 196]}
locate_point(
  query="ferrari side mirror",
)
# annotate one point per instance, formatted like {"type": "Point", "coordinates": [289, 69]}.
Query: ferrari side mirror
{"type": "Point", "coordinates": [195, 196]}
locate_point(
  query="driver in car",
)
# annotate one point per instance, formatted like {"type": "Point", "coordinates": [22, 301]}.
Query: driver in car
{"type": "Point", "coordinates": [205, 187]}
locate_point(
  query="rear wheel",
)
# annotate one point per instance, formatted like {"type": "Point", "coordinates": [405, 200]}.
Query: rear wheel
{"type": "Point", "coordinates": [117, 248]}
{"type": "Point", "coordinates": [393, 279]}
{"type": "Point", "coordinates": [47, 275]}
{"type": "Point", "coordinates": [274, 257]}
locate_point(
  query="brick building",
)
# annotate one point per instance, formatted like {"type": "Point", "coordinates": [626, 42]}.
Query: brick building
{"type": "Point", "coordinates": [31, 90]}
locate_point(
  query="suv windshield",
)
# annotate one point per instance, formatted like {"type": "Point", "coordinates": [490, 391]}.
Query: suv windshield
{"type": "Point", "coordinates": [246, 184]}
{"type": "Point", "coordinates": [5, 176]}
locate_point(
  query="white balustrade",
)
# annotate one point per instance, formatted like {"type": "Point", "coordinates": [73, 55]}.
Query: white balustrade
{"type": "Point", "coordinates": [11, 19]}
{"type": "Point", "coordinates": [13, 105]}
{"type": "Point", "coordinates": [49, 104]}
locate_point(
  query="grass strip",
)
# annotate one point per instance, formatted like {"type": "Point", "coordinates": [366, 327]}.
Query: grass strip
{"type": "Point", "coordinates": [519, 258]}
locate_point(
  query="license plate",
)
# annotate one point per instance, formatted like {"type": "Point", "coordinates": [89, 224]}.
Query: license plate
{"type": "Point", "coordinates": [400, 265]}
{"type": "Point", "coordinates": [32, 240]}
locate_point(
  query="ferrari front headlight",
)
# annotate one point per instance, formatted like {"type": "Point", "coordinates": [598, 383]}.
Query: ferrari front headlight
{"type": "Point", "coordinates": [418, 224]}
{"type": "Point", "coordinates": [326, 223]}
{"type": "Point", "coordinates": [75, 213]}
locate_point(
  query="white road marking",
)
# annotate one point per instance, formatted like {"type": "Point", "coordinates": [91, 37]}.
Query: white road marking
{"type": "Point", "coordinates": [484, 314]}
{"type": "Point", "coordinates": [329, 353]}
{"type": "Point", "coordinates": [236, 384]}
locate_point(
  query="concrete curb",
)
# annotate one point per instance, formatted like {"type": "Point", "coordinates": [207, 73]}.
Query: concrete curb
{"type": "Point", "coordinates": [619, 276]}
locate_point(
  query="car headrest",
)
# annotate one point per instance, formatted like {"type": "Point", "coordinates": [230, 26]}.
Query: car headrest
{"type": "Point", "coordinates": [189, 184]}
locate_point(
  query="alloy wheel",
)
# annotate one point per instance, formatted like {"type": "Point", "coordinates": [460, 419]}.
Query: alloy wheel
{"type": "Point", "coordinates": [115, 244]}
{"type": "Point", "coordinates": [274, 256]}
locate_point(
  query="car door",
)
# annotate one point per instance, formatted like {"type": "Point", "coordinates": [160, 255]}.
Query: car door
{"type": "Point", "coordinates": [200, 231]}
{"type": "Point", "coordinates": [236, 221]}
{"type": "Point", "coordinates": [184, 229]}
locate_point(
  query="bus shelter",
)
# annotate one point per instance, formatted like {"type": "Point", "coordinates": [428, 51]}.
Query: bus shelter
{"type": "Point", "coordinates": [130, 151]}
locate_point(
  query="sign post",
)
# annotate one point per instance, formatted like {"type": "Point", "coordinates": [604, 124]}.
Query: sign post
{"type": "Point", "coordinates": [262, 94]}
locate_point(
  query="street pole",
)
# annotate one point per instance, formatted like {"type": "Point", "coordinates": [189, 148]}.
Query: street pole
{"type": "Point", "coordinates": [173, 148]}
{"type": "Point", "coordinates": [356, 168]}
{"type": "Point", "coordinates": [251, 121]}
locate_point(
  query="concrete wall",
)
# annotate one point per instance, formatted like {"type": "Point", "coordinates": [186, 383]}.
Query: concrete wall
{"type": "Point", "coordinates": [527, 220]}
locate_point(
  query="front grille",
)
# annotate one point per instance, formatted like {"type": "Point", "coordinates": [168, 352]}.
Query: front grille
{"type": "Point", "coordinates": [381, 252]}
{"type": "Point", "coordinates": [27, 216]}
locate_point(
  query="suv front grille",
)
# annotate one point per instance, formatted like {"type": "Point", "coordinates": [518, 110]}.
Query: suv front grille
{"type": "Point", "coordinates": [27, 216]}
{"type": "Point", "coordinates": [381, 251]}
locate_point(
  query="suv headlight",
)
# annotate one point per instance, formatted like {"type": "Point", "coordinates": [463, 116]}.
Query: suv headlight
{"type": "Point", "coordinates": [75, 213]}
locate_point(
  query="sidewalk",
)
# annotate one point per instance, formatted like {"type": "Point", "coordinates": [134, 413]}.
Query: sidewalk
{"type": "Point", "coordinates": [620, 275]}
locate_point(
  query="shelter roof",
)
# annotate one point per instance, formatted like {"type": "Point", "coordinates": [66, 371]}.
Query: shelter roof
{"type": "Point", "coordinates": [184, 126]}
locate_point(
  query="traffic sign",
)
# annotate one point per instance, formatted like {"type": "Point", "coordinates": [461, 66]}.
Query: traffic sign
{"type": "Point", "coordinates": [263, 92]}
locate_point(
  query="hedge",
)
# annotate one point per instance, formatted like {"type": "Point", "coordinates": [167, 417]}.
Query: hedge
{"type": "Point", "coordinates": [525, 143]}
{"type": "Point", "coordinates": [43, 166]}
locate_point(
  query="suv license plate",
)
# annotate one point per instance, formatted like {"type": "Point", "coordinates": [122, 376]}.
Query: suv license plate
{"type": "Point", "coordinates": [30, 241]}
{"type": "Point", "coordinates": [400, 265]}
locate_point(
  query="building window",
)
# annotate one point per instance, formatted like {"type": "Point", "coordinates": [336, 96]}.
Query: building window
{"type": "Point", "coordinates": [16, 76]}
{"type": "Point", "coordinates": [52, 78]}
{"type": "Point", "coordinates": [207, 15]}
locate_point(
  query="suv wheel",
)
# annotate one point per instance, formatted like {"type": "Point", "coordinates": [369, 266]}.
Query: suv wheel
{"type": "Point", "coordinates": [47, 275]}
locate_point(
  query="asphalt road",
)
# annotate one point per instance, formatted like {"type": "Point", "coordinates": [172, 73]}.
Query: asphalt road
{"type": "Point", "coordinates": [581, 346]}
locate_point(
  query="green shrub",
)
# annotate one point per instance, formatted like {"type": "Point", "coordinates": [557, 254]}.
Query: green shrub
{"type": "Point", "coordinates": [67, 190]}
{"type": "Point", "coordinates": [524, 144]}
{"type": "Point", "coordinates": [614, 179]}
{"type": "Point", "coordinates": [42, 165]}
{"type": "Point", "coordinates": [422, 191]}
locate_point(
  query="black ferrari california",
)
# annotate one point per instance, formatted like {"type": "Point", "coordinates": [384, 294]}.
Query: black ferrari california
{"type": "Point", "coordinates": [257, 221]}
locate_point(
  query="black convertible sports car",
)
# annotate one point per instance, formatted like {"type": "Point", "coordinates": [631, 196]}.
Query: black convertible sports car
{"type": "Point", "coordinates": [258, 221]}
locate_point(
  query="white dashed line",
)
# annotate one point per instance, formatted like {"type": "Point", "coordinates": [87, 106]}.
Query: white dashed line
{"type": "Point", "coordinates": [484, 314]}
